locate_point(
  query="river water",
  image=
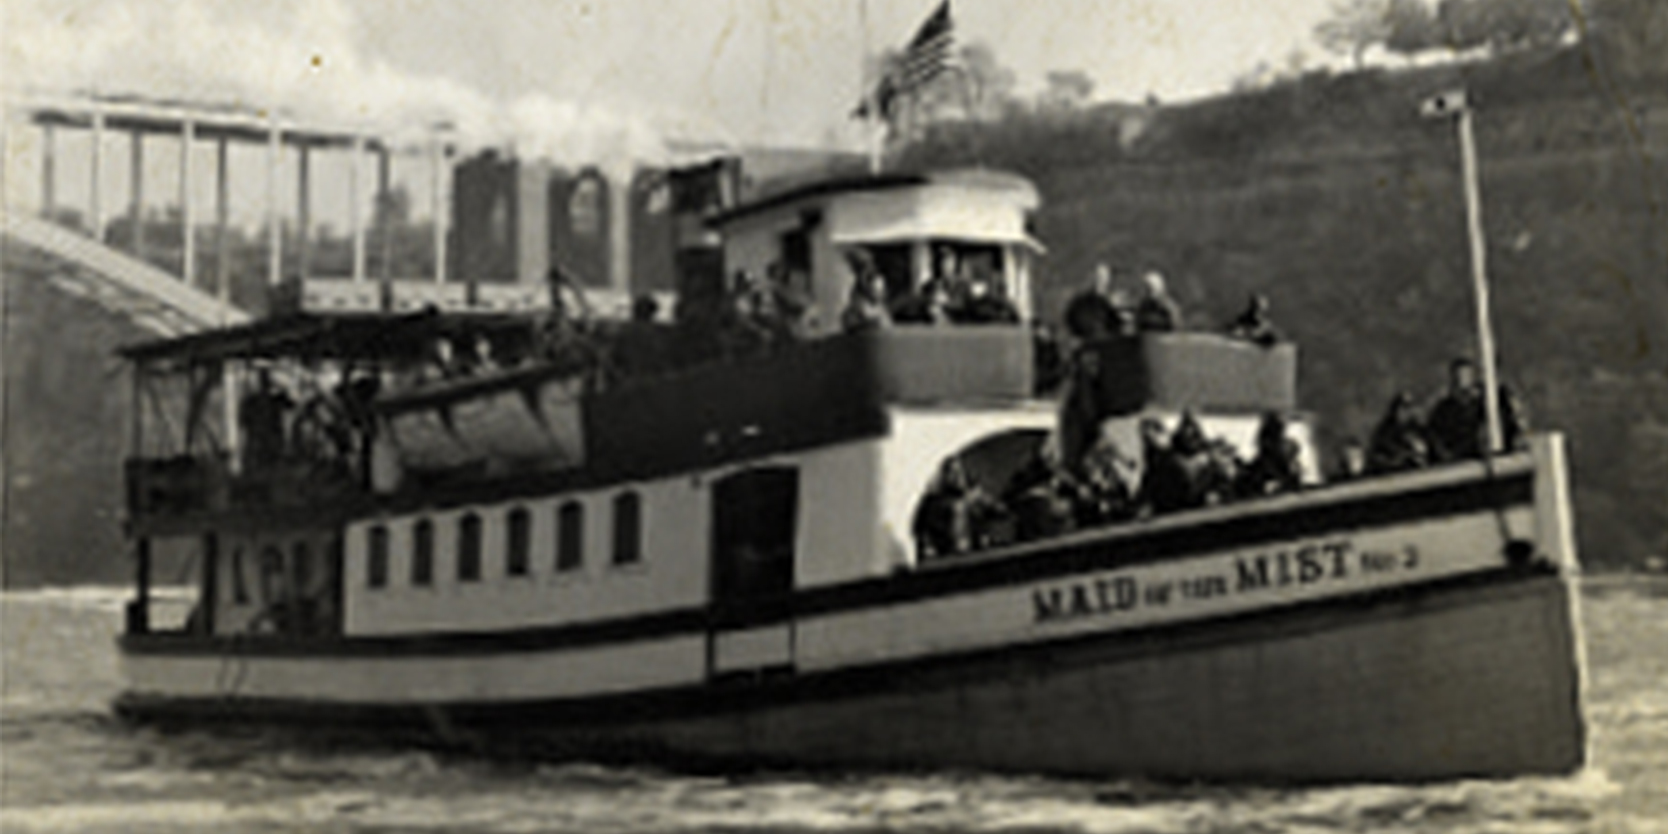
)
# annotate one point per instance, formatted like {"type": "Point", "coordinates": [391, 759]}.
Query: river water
{"type": "Point", "coordinates": [67, 765]}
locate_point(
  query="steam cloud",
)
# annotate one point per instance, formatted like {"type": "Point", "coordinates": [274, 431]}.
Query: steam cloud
{"type": "Point", "coordinates": [300, 59]}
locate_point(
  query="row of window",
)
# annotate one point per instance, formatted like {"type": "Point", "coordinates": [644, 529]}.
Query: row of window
{"type": "Point", "coordinates": [518, 543]}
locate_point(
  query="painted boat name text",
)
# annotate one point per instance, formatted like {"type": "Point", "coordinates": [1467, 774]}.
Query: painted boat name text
{"type": "Point", "coordinates": [1307, 564]}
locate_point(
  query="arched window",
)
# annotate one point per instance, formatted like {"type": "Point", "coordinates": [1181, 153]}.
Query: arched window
{"type": "Point", "coordinates": [628, 529]}
{"type": "Point", "coordinates": [376, 557]}
{"type": "Point", "coordinates": [585, 206]}
{"type": "Point", "coordinates": [518, 541]}
{"type": "Point", "coordinates": [570, 536]}
{"type": "Point", "coordinates": [469, 548]}
{"type": "Point", "coordinates": [422, 553]}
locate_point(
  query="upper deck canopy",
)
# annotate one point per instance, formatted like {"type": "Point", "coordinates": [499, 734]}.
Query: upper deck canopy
{"type": "Point", "coordinates": [335, 336]}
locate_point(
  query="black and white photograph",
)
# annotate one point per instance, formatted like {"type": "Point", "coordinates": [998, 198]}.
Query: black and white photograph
{"type": "Point", "coordinates": [715, 416]}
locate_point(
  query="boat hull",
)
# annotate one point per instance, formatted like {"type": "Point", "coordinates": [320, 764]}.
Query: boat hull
{"type": "Point", "coordinates": [1417, 627]}
{"type": "Point", "coordinates": [1468, 677]}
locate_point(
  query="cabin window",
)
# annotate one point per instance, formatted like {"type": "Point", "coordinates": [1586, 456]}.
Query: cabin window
{"type": "Point", "coordinates": [302, 567]}
{"type": "Point", "coordinates": [376, 557]}
{"type": "Point", "coordinates": [422, 553]}
{"type": "Point", "coordinates": [585, 207]}
{"type": "Point", "coordinates": [272, 574]}
{"type": "Point", "coordinates": [628, 529]}
{"type": "Point", "coordinates": [518, 540]}
{"type": "Point", "coordinates": [570, 536]}
{"type": "Point", "coordinates": [240, 586]}
{"type": "Point", "coordinates": [469, 548]}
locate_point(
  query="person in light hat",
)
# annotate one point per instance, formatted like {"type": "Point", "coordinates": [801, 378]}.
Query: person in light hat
{"type": "Point", "coordinates": [1157, 311]}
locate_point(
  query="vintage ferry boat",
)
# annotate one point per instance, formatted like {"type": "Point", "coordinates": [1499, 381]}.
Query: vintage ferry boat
{"type": "Point", "coordinates": [450, 510]}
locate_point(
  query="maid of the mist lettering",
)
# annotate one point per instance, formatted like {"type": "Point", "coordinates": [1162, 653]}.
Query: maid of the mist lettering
{"type": "Point", "coordinates": [1083, 599]}
{"type": "Point", "coordinates": [1304, 564]}
{"type": "Point", "coordinates": [1301, 565]}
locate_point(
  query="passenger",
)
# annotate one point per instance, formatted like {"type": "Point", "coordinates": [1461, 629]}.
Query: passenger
{"type": "Point", "coordinates": [1398, 443]}
{"type": "Point", "coordinates": [1089, 314]}
{"type": "Point", "coordinates": [1105, 497]}
{"type": "Point", "coordinates": [1514, 420]}
{"type": "Point", "coordinates": [1192, 451]}
{"type": "Point", "coordinates": [1042, 497]}
{"type": "Point", "coordinates": [1275, 467]}
{"type": "Point", "coordinates": [1352, 461]}
{"type": "Point", "coordinates": [1164, 483]}
{"type": "Point", "coordinates": [1049, 364]}
{"type": "Point", "coordinates": [641, 347]}
{"type": "Point", "coordinates": [955, 516]}
{"type": "Point", "coordinates": [1225, 477]}
{"type": "Point", "coordinates": [742, 331]}
{"type": "Point", "coordinates": [261, 416]}
{"type": "Point", "coordinates": [990, 305]}
{"type": "Point", "coordinates": [787, 303]}
{"type": "Point", "coordinates": [866, 306]}
{"type": "Point", "coordinates": [1253, 325]}
{"type": "Point", "coordinates": [1157, 312]}
{"type": "Point", "coordinates": [1457, 422]}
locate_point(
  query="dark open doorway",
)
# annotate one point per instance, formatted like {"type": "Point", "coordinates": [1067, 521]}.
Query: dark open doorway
{"type": "Point", "coordinates": [754, 524]}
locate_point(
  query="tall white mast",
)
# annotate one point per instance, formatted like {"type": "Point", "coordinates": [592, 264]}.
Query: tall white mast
{"type": "Point", "coordinates": [1440, 106]}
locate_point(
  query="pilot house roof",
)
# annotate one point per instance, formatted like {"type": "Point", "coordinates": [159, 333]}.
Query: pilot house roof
{"type": "Point", "coordinates": [966, 204]}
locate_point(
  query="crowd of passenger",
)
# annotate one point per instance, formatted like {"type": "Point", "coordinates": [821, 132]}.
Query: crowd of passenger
{"type": "Point", "coordinates": [1453, 428]}
{"type": "Point", "coordinates": [327, 427]}
{"type": "Point", "coordinates": [1050, 494]}
{"type": "Point", "coordinates": [958, 291]}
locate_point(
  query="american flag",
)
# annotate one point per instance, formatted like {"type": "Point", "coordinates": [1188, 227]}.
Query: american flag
{"type": "Point", "coordinates": [926, 56]}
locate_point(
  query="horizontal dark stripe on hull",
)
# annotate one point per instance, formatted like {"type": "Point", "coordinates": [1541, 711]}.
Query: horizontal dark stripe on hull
{"type": "Point", "coordinates": [777, 689]}
{"type": "Point", "coordinates": [1121, 548]}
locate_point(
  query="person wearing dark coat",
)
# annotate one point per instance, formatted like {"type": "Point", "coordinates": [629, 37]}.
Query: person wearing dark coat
{"type": "Point", "coordinates": [1089, 314]}
{"type": "Point", "coordinates": [1253, 325]}
{"type": "Point", "coordinates": [1398, 443]}
{"type": "Point", "coordinates": [1165, 484]}
{"type": "Point", "coordinates": [955, 516]}
{"type": "Point", "coordinates": [1275, 468]}
{"type": "Point", "coordinates": [1457, 423]}
{"type": "Point", "coordinates": [1157, 312]}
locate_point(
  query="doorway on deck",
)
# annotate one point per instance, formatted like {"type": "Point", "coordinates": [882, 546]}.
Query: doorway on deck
{"type": "Point", "coordinates": [754, 523]}
{"type": "Point", "coordinates": [755, 516]}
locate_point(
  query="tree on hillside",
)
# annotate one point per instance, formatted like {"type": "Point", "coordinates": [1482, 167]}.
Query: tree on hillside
{"type": "Point", "coordinates": [1502, 25]}
{"type": "Point", "coordinates": [1354, 26]}
{"type": "Point", "coordinates": [1412, 28]}
{"type": "Point", "coordinates": [1066, 90]}
{"type": "Point", "coordinates": [1637, 28]}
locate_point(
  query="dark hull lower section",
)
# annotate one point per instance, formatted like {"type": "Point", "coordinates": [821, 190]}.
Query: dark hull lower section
{"type": "Point", "coordinates": [1477, 678]}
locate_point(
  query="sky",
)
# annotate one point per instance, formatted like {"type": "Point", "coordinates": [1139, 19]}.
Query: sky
{"type": "Point", "coordinates": [608, 81]}
{"type": "Point", "coordinates": [750, 70]}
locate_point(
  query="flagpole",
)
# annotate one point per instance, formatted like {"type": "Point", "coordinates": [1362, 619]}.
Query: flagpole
{"type": "Point", "coordinates": [871, 93]}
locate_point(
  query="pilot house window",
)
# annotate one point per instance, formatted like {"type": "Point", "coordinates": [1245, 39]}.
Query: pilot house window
{"type": "Point", "coordinates": [469, 548]}
{"type": "Point", "coordinates": [628, 529]}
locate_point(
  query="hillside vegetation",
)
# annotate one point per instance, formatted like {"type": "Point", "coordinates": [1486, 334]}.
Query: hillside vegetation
{"type": "Point", "coordinates": [1334, 197]}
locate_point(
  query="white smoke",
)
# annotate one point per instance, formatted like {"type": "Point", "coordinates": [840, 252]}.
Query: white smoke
{"type": "Point", "coordinates": [300, 58]}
